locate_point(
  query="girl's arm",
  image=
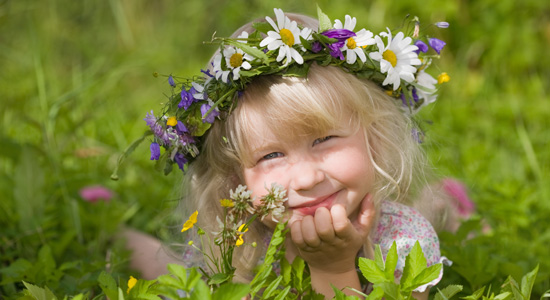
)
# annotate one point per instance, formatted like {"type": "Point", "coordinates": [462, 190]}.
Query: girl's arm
{"type": "Point", "coordinates": [329, 243]}
{"type": "Point", "coordinates": [148, 256]}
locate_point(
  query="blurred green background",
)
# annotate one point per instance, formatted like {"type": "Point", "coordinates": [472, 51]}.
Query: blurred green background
{"type": "Point", "coordinates": [77, 80]}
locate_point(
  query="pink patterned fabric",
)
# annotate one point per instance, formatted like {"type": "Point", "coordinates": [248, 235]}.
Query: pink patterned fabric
{"type": "Point", "coordinates": [405, 226]}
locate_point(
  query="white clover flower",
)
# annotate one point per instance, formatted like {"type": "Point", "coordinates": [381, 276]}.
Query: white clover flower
{"type": "Point", "coordinates": [274, 201]}
{"type": "Point", "coordinates": [285, 36]}
{"type": "Point", "coordinates": [397, 58]}
{"type": "Point", "coordinates": [235, 59]}
{"type": "Point", "coordinates": [355, 44]}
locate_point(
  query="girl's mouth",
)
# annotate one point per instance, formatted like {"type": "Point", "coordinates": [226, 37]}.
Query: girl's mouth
{"type": "Point", "coordinates": [309, 208]}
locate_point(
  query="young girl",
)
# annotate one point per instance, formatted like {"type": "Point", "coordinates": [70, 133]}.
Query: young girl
{"type": "Point", "coordinates": [339, 140]}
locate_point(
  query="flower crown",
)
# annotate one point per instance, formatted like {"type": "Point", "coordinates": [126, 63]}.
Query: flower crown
{"type": "Point", "coordinates": [397, 63]}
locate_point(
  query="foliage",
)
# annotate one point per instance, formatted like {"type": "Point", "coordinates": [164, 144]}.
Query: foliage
{"type": "Point", "coordinates": [76, 78]}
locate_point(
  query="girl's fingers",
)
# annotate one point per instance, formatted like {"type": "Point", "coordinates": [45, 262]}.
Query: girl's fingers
{"type": "Point", "coordinates": [365, 219]}
{"type": "Point", "coordinates": [323, 224]}
{"type": "Point", "coordinates": [341, 224]}
{"type": "Point", "coordinates": [309, 232]}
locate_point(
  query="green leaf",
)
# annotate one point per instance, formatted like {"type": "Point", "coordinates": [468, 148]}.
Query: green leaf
{"type": "Point", "coordinates": [427, 275]}
{"type": "Point", "coordinates": [178, 270]}
{"type": "Point", "coordinates": [376, 294]}
{"type": "Point", "coordinates": [108, 285]}
{"type": "Point", "coordinates": [297, 70]}
{"type": "Point", "coordinates": [391, 290]}
{"type": "Point", "coordinates": [263, 27]}
{"type": "Point", "coordinates": [201, 291]}
{"type": "Point", "coordinates": [370, 271]}
{"type": "Point", "coordinates": [39, 293]}
{"type": "Point", "coordinates": [286, 271]}
{"type": "Point", "coordinates": [527, 283]}
{"type": "Point", "coordinates": [324, 21]}
{"type": "Point", "coordinates": [283, 293]}
{"type": "Point", "coordinates": [415, 263]}
{"type": "Point", "coordinates": [272, 287]}
{"type": "Point", "coordinates": [255, 52]}
{"type": "Point", "coordinates": [391, 262]}
{"type": "Point", "coordinates": [230, 291]}
{"type": "Point", "coordinates": [476, 295]}
{"type": "Point", "coordinates": [298, 266]}
{"type": "Point", "coordinates": [219, 278]}
{"type": "Point", "coordinates": [502, 296]}
{"type": "Point", "coordinates": [447, 292]}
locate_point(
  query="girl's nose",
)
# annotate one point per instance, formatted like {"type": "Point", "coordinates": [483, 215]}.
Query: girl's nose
{"type": "Point", "coordinates": [305, 175]}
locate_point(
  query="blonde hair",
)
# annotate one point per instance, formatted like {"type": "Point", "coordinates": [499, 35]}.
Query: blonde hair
{"type": "Point", "coordinates": [303, 106]}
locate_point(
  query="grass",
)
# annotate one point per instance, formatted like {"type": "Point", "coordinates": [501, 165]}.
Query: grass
{"type": "Point", "coordinates": [77, 80]}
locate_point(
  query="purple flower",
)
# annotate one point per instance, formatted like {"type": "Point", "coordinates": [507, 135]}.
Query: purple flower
{"type": "Point", "coordinates": [211, 116]}
{"type": "Point", "coordinates": [180, 160]}
{"type": "Point", "coordinates": [422, 47]}
{"type": "Point", "coordinates": [180, 128]}
{"type": "Point", "coordinates": [96, 192]}
{"type": "Point", "coordinates": [171, 81]}
{"type": "Point", "coordinates": [316, 47]}
{"type": "Point", "coordinates": [157, 129]}
{"type": "Point", "coordinates": [207, 73]}
{"type": "Point", "coordinates": [155, 151]}
{"type": "Point", "coordinates": [436, 44]}
{"type": "Point", "coordinates": [339, 34]}
{"type": "Point", "coordinates": [187, 98]}
{"type": "Point", "coordinates": [442, 24]}
{"type": "Point", "coordinates": [335, 51]}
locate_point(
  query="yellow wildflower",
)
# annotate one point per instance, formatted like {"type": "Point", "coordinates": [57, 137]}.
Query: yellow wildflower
{"type": "Point", "coordinates": [172, 121]}
{"type": "Point", "coordinates": [131, 283]}
{"type": "Point", "coordinates": [227, 203]}
{"type": "Point", "coordinates": [240, 240]}
{"type": "Point", "coordinates": [241, 229]}
{"type": "Point", "coordinates": [189, 223]}
{"type": "Point", "coordinates": [443, 77]}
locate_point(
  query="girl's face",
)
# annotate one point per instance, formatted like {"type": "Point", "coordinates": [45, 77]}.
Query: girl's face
{"type": "Point", "coordinates": [317, 171]}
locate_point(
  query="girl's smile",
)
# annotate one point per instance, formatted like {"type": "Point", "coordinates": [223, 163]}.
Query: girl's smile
{"type": "Point", "coordinates": [324, 170]}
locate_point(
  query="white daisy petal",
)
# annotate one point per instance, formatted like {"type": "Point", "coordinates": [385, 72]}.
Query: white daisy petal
{"type": "Point", "coordinates": [272, 23]}
{"type": "Point", "coordinates": [296, 55]}
{"type": "Point", "coordinates": [280, 18]}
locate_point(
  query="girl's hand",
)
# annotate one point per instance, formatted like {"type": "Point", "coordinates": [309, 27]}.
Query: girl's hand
{"type": "Point", "coordinates": [329, 241]}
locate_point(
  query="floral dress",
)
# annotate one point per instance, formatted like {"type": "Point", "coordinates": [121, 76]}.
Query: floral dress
{"type": "Point", "coordinates": [405, 226]}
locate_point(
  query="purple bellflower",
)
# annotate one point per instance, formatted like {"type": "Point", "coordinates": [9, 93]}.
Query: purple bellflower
{"type": "Point", "coordinates": [187, 98]}
{"type": "Point", "coordinates": [436, 44]}
{"type": "Point", "coordinates": [180, 160]}
{"type": "Point", "coordinates": [341, 35]}
{"type": "Point", "coordinates": [171, 81]}
{"type": "Point", "coordinates": [211, 116]}
{"type": "Point", "coordinates": [155, 151]}
{"type": "Point", "coordinates": [422, 47]}
{"type": "Point", "coordinates": [442, 24]}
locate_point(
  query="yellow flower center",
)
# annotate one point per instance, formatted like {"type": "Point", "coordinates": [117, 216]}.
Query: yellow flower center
{"type": "Point", "coordinates": [236, 60]}
{"type": "Point", "coordinates": [227, 203]}
{"type": "Point", "coordinates": [390, 57]}
{"type": "Point", "coordinates": [351, 43]}
{"type": "Point", "coordinates": [443, 77]}
{"type": "Point", "coordinates": [286, 36]}
{"type": "Point", "coordinates": [172, 121]}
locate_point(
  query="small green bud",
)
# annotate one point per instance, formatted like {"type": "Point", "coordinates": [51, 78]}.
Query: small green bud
{"type": "Point", "coordinates": [200, 231]}
{"type": "Point", "coordinates": [254, 244]}
{"type": "Point", "coordinates": [190, 243]}
{"type": "Point", "coordinates": [155, 74]}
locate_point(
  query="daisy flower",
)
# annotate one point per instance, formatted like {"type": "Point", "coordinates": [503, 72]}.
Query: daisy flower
{"type": "Point", "coordinates": [286, 35]}
{"type": "Point", "coordinates": [235, 59]}
{"type": "Point", "coordinates": [397, 58]}
{"type": "Point", "coordinates": [426, 87]}
{"type": "Point", "coordinates": [354, 45]}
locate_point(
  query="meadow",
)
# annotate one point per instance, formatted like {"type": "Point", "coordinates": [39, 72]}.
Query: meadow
{"type": "Point", "coordinates": [78, 78]}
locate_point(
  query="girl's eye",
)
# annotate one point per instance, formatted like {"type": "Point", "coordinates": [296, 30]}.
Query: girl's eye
{"type": "Point", "coordinates": [272, 155]}
{"type": "Point", "coordinates": [323, 139]}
